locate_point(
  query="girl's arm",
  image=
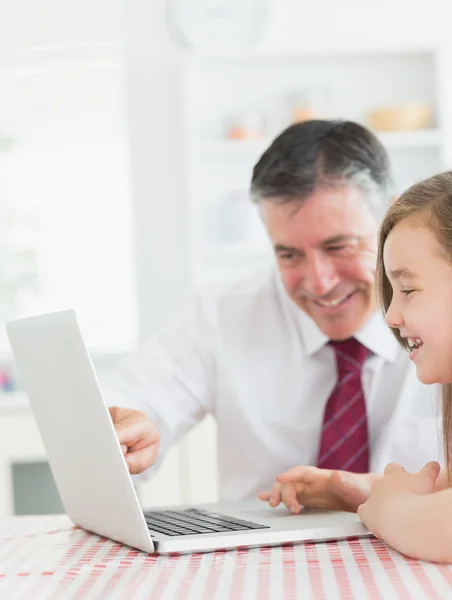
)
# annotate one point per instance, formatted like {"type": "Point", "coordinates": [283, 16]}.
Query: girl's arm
{"type": "Point", "coordinates": [421, 526]}
{"type": "Point", "coordinates": [405, 510]}
{"type": "Point", "coordinates": [442, 483]}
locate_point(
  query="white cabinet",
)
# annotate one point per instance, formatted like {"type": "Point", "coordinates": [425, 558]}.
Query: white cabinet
{"type": "Point", "coordinates": [20, 443]}
{"type": "Point", "coordinates": [226, 96]}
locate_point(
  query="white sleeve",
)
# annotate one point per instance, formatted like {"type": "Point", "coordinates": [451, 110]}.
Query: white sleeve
{"type": "Point", "coordinates": [415, 433]}
{"type": "Point", "coordinates": [170, 377]}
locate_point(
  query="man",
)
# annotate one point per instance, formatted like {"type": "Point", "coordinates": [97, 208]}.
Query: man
{"type": "Point", "coordinates": [295, 363]}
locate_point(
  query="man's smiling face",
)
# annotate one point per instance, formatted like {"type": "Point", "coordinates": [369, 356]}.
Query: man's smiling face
{"type": "Point", "coordinates": [326, 254]}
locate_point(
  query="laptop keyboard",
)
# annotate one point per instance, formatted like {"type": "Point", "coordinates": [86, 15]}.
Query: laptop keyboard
{"type": "Point", "coordinates": [195, 521]}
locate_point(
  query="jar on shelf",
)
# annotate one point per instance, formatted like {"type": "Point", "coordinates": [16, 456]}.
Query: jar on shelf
{"type": "Point", "coordinates": [308, 103]}
{"type": "Point", "coordinates": [245, 126]}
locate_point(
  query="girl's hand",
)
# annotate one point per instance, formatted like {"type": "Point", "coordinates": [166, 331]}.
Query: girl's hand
{"type": "Point", "coordinates": [390, 498]}
{"type": "Point", "coordinates": [321, 488]}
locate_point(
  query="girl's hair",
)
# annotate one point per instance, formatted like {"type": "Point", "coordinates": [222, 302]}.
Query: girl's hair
{"type": "Point", "coordinates": [429, 204]}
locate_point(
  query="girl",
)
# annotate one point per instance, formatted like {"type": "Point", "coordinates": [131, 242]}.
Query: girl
{"type": "Point", "coordinates": [411, 512]}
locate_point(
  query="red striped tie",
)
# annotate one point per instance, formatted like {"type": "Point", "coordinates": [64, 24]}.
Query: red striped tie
{"type": "Point", "coordinates": [345, 443]}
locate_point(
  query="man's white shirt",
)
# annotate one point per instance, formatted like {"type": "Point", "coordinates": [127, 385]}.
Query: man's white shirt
{"type": "Point", "coordinates": [247, 354]}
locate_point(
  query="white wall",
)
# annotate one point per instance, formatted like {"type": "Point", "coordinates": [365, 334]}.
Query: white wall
{"type": "Point", "coordinates": [27, 23]}
{"type": "Point", "coordinates": [153, 63]}
{"type": "Point", "coordinates": [153, 87]}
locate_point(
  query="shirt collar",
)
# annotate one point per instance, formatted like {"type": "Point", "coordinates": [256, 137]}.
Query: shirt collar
{"type": "Point", "coordinates": [375, 335]}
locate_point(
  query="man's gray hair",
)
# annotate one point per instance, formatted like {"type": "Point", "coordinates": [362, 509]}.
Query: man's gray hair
{"type": "Point", "coordinates": [324, 154]}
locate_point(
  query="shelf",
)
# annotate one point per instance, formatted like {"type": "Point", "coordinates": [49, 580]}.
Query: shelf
{"type": "Point", "coordinates": [223, 87]}
{"type": "Point", "coordinates": [300, 51]}
{"type": "Point", "coordinates": [234, 252]}
{"type": "Point", "coordinates": [235, 147]}
{"type": "Point", "coordinates": [13, 402]}
{"type": "Point", "coordinates": [423, 138]}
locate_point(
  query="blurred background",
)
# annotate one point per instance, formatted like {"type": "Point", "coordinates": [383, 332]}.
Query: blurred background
{"type": "Point", "coordinates": [128, 131]}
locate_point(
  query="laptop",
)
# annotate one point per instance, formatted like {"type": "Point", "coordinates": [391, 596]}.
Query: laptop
{"type": "Point", "coordinates": [91, 473]}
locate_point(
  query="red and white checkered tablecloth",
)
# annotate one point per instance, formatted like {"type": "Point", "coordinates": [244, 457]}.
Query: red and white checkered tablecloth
{"type": "Point", "coordinates": [47, 558]}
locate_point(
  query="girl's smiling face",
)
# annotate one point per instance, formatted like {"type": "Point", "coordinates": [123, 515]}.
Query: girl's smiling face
{"type": "Point", "coordinates": [421, 307]}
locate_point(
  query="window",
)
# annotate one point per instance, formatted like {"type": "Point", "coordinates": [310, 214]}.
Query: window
{"type": "Point", "coordinates": [65, 227]}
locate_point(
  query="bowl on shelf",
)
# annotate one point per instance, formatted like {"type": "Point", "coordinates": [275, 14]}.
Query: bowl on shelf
{"type": "Point", "coordinates": [402, 117]}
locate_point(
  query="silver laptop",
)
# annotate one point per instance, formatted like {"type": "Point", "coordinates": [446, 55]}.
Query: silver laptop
{"type": "Point", "coordinates": [91, 473]}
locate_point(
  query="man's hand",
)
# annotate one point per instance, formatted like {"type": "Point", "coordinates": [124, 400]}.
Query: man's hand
{"type": "Point", "coordinates": [320, 488]}
{"type": "Point", "coordinates": [138, 436]}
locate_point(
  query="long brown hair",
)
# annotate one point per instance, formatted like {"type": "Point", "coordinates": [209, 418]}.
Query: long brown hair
{"type": "Point", "coordinates": [429, 202]}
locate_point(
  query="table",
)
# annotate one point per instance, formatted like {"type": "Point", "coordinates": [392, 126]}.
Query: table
{"type": "Point", "coordinates": [48, 558]}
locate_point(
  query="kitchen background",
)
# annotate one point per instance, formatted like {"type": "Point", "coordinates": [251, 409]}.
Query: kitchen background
{"type": "Point", "coordinates": [127, 136]}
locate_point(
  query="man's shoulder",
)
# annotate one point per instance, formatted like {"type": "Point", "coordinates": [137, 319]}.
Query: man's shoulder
{"type": "Point", "coordinates": [253, 296]}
